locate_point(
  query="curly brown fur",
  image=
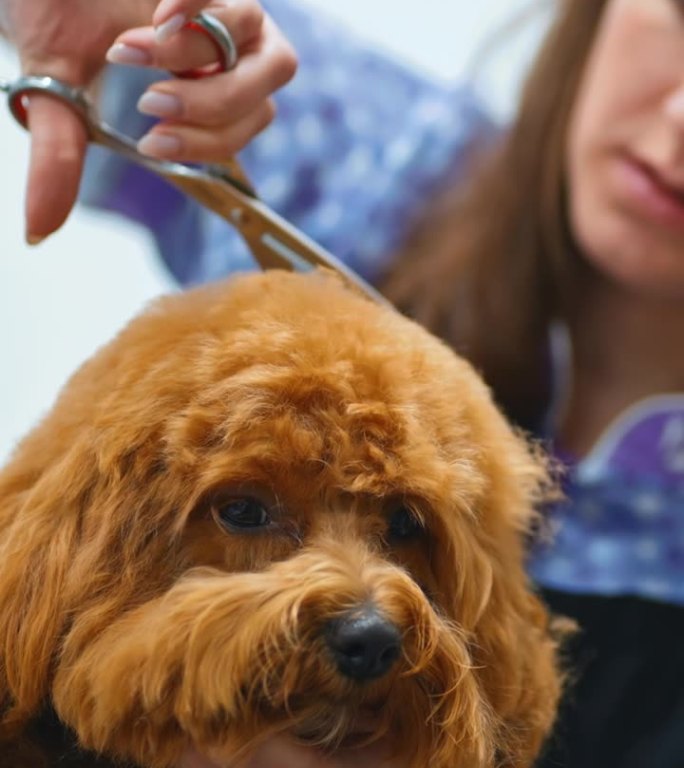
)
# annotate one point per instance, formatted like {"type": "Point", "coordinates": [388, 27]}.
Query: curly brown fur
{"type": "Point", "coordinates": [130, 606]}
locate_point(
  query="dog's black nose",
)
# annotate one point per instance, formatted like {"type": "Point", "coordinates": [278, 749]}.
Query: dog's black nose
{"type": "Point", "coordinates": [364, 644]}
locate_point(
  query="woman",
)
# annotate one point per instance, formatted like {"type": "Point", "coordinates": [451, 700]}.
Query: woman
{"type": "Point", "coordinates": [559, 270]}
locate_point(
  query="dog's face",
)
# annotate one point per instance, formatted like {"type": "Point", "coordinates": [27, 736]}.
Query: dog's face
{"type": "Point", "coordinates": [272, 506]}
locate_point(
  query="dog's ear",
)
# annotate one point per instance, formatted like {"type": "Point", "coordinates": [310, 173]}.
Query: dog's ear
{"type": "Point", "coordinates": [39, 529]}
{"type": "Point", "coordinates": [516, 646]}
{"type": "Point", "coordinates": [513, 645]}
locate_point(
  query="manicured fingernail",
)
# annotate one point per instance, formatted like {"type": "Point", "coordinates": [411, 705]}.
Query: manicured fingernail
{"type": "Point", "coordinates": [120, 53]}
{"type": "Point", "coordinates": [159, 104]}
{"type": "Point", "coordinates": [169, 28]}
{"type": "Point", "coordinates": [159, 145]}
{"type": "Point", "coordinates": [34, 239]}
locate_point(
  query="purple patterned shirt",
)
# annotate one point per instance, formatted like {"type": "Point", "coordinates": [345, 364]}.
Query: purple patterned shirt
{"type": "Point", "coordinates": [621, 531]}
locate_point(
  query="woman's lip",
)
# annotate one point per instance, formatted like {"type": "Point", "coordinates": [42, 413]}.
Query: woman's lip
{"type": "Point", "coordinates": [648, 194]}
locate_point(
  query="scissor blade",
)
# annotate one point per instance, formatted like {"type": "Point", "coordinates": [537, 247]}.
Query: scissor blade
{"type": "Point", "coordinates": [273, 241]}
{"type": "Point", "coordinates": [284, 257]}
{"type": "Point", "coordinates": [281, 257]}
{"type": "Point", "coordinates": [279, 244]}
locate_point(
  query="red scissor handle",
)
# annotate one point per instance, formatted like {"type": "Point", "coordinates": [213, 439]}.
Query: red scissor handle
{"type": "Point", "coordinates": [19, 108]}
{"type": "Point", "coordinates": [219, 66]}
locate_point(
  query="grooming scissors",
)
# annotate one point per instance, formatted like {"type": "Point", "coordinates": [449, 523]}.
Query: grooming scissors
{"type": "Point", "coordinates": [223, 188]}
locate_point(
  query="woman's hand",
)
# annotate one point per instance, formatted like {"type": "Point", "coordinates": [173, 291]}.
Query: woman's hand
{"type": "Point", "coordinates": [211, 118]}
{"type": "Point", "coordinates": [280, 752]}
{"type": "Point", "coordinates": [68, 39]}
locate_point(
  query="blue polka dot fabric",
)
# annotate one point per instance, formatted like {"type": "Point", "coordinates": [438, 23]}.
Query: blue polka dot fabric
{"type": "Point", "coordinates": [621, 531]}
{"type": "Point", "coordinates": [359, 144]}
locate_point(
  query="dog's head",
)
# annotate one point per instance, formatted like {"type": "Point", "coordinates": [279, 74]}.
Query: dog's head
{"type": "Point", "coordinates": [273, 506]}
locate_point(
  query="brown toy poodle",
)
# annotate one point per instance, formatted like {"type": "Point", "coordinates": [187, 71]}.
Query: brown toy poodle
{"type": "Point", "coordinates": [272, 506]}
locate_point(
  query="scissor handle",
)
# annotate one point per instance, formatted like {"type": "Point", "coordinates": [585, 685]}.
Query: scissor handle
{"type": "Point", "coordinates": [73, 97]}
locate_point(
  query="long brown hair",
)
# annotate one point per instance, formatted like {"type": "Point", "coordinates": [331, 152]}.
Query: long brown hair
{"type": "Point", "coordinates": [490, 264]}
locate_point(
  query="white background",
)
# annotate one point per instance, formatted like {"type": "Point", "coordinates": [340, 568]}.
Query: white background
{"type": "Point", "coordinates": [61, 300]}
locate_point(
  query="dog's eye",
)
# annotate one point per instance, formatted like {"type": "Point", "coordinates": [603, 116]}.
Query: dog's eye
{"type": "Point", "coordinates": [404, 525]}
{"type": "Point", "coordinates": [242, 513]}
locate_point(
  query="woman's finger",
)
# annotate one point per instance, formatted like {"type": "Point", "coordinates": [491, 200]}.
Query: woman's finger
{"type": "Point", "coordinates": [189, 49]}
{"type": "Point", "coordinates": [224, 98]}
{"type": "Point", "coordinates": [193, 759]}
{"type": "Point", "coordinates": [171, 15]}
{"type": "Point", "coordinates": [280, 752]}
{"type": "Point", "coordinates": [275, 752]}
{"type": "Point", "coordinates": [58, 145]}
{"type": "Point", "coordinates": [284, 753]}
{"type": "Point", "coordinates": [196, 144]}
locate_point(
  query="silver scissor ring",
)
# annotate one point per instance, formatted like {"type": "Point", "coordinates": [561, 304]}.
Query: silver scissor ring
{"type": "Point", "coordinates": [219, 33]}
{"type": "Point", "coordinates": [44, 84]}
